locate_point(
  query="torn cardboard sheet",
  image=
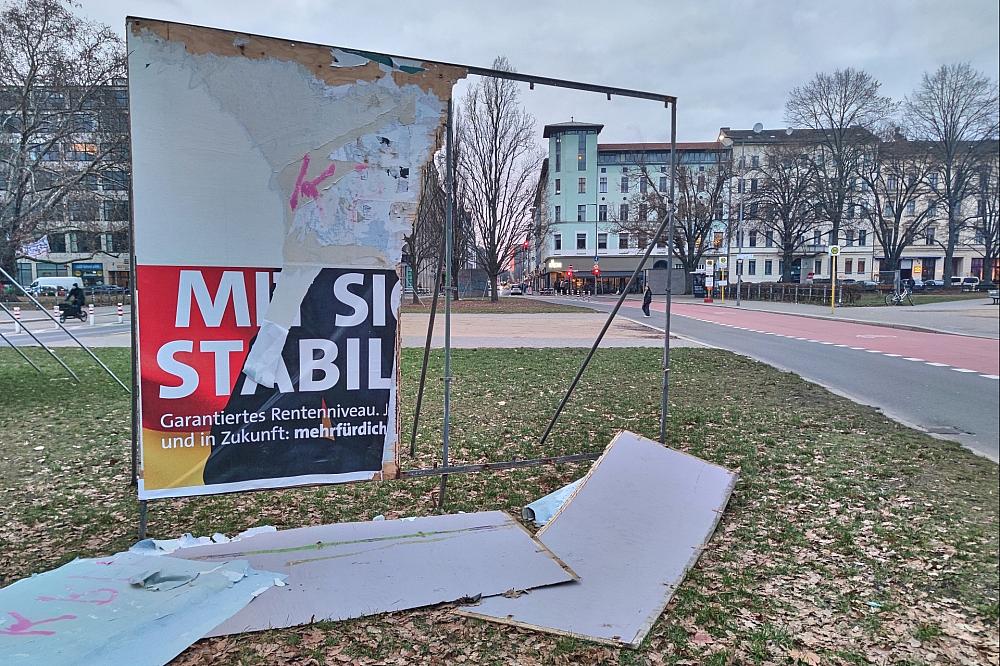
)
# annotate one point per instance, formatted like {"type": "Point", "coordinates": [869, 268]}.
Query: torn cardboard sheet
{"type": "Point", "coordinates": [347, 570]}
{"type": "Point", "coordinates": [631, 531]}
{"type": "Point", "coordinates": [123, 609]}
{"type": "Point", "coordinates": [541, 510]}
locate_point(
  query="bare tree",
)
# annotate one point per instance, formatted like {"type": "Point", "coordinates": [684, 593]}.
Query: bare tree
{"type": "Point", "coordinates": [843, 110]}
{"type": "Point", "coordinates": [783, 206]}
{"type": "Point", "coordinates": [698, 216]}
{"type": "Point", "coordinates": [59, 125]}
{"type": "Point", "coordinates": [955, 110]}
{"type": "Point", "coordinates": [987, 224]}
{"type": "Point", "coordinates": [423, 243]}
{"type": "Point", "coordinates": [498, 164]}
{"type": "Point", "coordinates": [895, 183]}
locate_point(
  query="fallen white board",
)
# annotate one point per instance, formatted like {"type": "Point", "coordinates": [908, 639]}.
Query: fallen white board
{"type": "Point", "coordinates": [631, 531]}
{"type": "Point", "coordinates": [348, 570]}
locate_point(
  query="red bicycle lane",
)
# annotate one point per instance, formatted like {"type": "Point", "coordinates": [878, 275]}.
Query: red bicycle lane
{"type": "Point", "coordinates": [963, 352]}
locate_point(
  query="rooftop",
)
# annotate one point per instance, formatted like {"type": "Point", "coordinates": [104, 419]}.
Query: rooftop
{"type": "Point", "coordinates": [555, 128]}
{"type": "Point", "coordinates": [640, 147]}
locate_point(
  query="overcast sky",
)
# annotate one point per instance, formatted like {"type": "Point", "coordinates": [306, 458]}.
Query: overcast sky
{"type": "Point", "coordinates": [729, 63]}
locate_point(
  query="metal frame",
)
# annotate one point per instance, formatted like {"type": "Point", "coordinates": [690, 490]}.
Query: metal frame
{"type": "Point", "coordinates": [445, 469]}
{"type": "Point", "coordinates": [666, 224]}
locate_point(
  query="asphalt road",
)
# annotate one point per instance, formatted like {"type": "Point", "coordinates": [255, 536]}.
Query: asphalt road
{"type": "Point", "coordinates": [923, 380]}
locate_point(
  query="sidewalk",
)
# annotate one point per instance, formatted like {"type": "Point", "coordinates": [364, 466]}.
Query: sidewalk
{"type": "Point", "coordinates": [978, 318]}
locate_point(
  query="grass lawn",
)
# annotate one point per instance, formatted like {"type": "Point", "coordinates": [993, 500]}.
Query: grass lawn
{"type": "Point", "coordinates": [872, 299]}
{"type": "Point", "coordinates": [849, 539]}
{"type": "Point", "coordinates": [506, 305]}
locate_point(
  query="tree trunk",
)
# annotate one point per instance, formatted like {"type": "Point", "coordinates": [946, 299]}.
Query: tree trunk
{"type": "Point", "coordinates": [8, 259]}
{"type": "Point", "coordinates": [787, 259]}
{"type": "Point", "coordinates": [949, 250]}
{"type": "Point", "coordinates": [456, 293]}
{"type": "Point", "coordinates": [494, 293]}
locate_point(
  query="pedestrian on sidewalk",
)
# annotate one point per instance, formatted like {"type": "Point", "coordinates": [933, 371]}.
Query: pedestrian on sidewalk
{"type": "Point", "coordinates": [647, 298]}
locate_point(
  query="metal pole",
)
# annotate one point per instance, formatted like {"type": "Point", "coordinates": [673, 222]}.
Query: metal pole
{"type": "Point", "coordinates": [427, 348]}
{"type": "Point", "coordinates": [665, 389]}
{"type": "Point", "coordinates": [604, 329]}
{"type": "Point", "coordinates": [18, 350]}
{"type": "Point", "coordinates": [44, 346]}
{"type": "Point", "coordinates": [66, 331]}
{"type": "Point", "coordinates": [143, 518]}
{"type": "Point", "coordinates": [448, 221]}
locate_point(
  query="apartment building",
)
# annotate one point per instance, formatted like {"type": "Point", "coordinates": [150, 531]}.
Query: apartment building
{"type": "Point", "coordinates": [585, 188]}
{"type": "Point", "coordinates": [862, 256]}
{"type": "Point", "coordinates": [87, 233]}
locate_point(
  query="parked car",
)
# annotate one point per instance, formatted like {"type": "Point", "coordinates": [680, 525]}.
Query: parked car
{"type": "Point", "coordinates": [105, 289]}
{"type": "Point", "coordinates": [868, 285]}
{"type": "Point", "coordinates": [933, 284]}
{"type": "Point", "coordinates": [515, 290]}
{"type": "Point", "coordinates": [970, 283]}
{"type": "Point", "coordinates": [913, 285]}
{"type": "Point", "coordinates": [51, 286]}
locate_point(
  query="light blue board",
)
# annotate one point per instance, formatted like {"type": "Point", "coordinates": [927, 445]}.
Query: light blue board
{"type": "Point", "coordinates": [122, 609]}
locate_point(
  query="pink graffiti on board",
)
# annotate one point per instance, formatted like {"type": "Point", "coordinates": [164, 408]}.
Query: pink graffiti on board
{"type": "Point", "coordinates": [101, 596]}
{"type": "Point", "coordinates": [306, 187]}
{"type": "Point", "coordinates": [23, 626]}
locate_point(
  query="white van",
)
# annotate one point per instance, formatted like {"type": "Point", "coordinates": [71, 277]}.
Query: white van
{"type": "Point", "coordinates": [51, 285]}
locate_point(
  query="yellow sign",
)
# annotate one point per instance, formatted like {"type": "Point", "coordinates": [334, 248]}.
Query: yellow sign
{"type": "Point", "coordinates": [918, 268]}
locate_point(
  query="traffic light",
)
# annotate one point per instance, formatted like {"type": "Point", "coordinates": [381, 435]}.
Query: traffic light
{"type": "Point", "coordinates": [596, 270]}
{"type": "Point", "coordinates": [569, 272]}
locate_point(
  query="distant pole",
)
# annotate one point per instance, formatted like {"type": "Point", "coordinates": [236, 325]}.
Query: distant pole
{"type": "Point", "coordinates": [665, 392]}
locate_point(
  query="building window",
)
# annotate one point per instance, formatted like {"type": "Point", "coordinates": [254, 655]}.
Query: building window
{"type": "Point", "coordinates": [82, 211]}
{"type": "Point", "coordinates": [581, 213]}
{"type": "Point", "coordinates": [769, 239]}
{"type": "Point", "coordinates": [557, 240]}
{"type": "Point", "coordinates": [57, 243]}
{"type": "Point", "coordinates": [752, 267]}
{"type": "Point", "coordinates": [89, 182]}
{"type": "Point", "coordinates": [701, 183]}
{"type": "Point", "coordinates": [603, 184]}
{"type": "Point", "coordinates": [911, 207]}
{"type": "Point", "coordinates": [115, 211]}
{"type": "Point", "coordinates": [602, 213]}
{"type": "Point", "coordinates": [862, 237]}
{"type": "Point", "coordinates": [861, 265]}
{"type": "Point", "coordinates": [929, 238]}
{"type": "Point", "coordinates": [849, 237]}
{"type": "Point", "coordinates": [642, 185]}
{"type": "Point", "coordinates": [581, 241]}
{"type": "Point", "coordinates": [818, 267]}
{"type": "Point", "coordinates": [753, 239]}
{"type": "Point", "coordinates": [663, 183]}
{"type": "Point", "coordinates": [624, 185]}
{"type": "Point", "coordinates": [741, 185]}
{"type": "Point", "coordinates": [643, 212]}
{"type": "Point", "coordinates": [755, 161]}
{"type": "Point", "coordinates": [739, 238]}
{"type": "Point", "coordinates": [558, 186]}
{"type": "Point", "coordinates": [817, 236]}
{"type": "Point", "coordinates": [643, 240]}
{"type": "Point", "coordinates": [753, 184]}
{"type": "Point", "coordinates": [623, 212]}
{"type": "Point", "coordinates": [932, 209]}
{"type": "Point", "coordinates": [716, 239]}
{"type": "Point", "coordinates": [753, 210]}
{"type": "Point", "coordinates": [933, 180]}
{"type": "Point", "coordinates": [81, 152]}
{"type": "Point", "coordinates": [581, 152]}
{"type": "Point", "coordinates": [558, 213]}
{"type": "Point", "coordinates": [581, 186]}
{"type": "Point", "coordinates": [558, 153]}
{"type": "Point", "coordinates": [848, 265]}
{"type": "Point", "coordinates": [622, 241]}
{"type": "Point", "coordinates": [602, 241]}
{"type": "Point", "coordinates": [768, 267]}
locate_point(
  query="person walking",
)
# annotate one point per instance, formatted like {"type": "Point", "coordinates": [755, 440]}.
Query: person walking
{"type": "Point", "coordinates": [647, 298]}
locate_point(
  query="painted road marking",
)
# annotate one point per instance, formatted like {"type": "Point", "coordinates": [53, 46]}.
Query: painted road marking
{"type": "Point", "coordinates": [962, 370]}
{"type": "Point", "coordinates": [990, 376]}
{"type": "Point", "coordinates": [913, 358]}
{"type": "Point", "coordinates": [936, 365]}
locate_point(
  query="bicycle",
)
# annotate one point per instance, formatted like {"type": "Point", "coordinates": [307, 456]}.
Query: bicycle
{"type": "Point", "coordinates": [897, 297]}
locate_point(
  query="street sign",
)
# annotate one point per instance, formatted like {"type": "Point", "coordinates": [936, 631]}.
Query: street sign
{"type": "Point", "coordinates": [834, 250]}
{"type": "Point", "coordinates": [723, 283]}
{"type": "Point", "coordinates": [723, 262]}
{"type": "Point", "coordinates": [596, 258]}
{"type": "Point", "coordinates": [709, 264]}
{"type": "Point", "coordinates": [918, 268]}
{"type": "Point", "coordinates": [709, 281]}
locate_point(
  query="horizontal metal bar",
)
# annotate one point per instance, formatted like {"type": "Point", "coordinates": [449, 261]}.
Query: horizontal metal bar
{"type": "Point", "coordinates": [472, 69]}
{"type": "Point", "coordinates": [508, 464]}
